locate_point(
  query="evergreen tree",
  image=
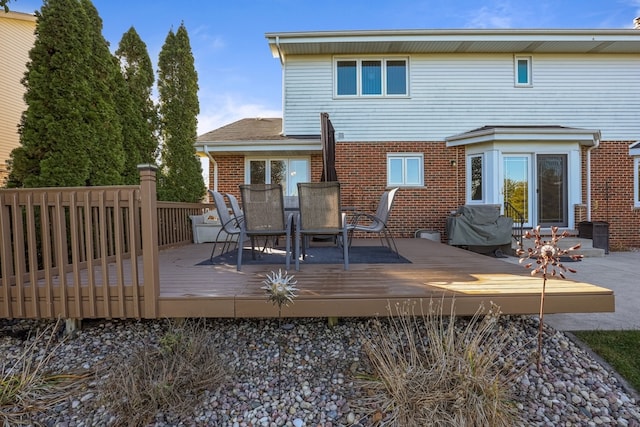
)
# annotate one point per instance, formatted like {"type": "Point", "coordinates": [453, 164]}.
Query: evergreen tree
{"type": "Point", "coordinates": [136, 108]}
{"type": "Point", "coordinates": [53, 132]}
{"type": "Point", "coordinates": [181, 173]}
{"type": "Point", "coordinates": [106, 153]}
{"type": "Point", "coordinates": [70, 134]}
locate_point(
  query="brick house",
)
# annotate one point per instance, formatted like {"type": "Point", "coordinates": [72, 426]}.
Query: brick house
{"type": "Point", "coordinates": [546, 120]}
{"type": "Point", "coordinates": [16, 40]}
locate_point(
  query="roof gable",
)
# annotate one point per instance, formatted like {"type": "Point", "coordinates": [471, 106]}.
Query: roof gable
{"type": "Point", "coordinates": [255, 135]}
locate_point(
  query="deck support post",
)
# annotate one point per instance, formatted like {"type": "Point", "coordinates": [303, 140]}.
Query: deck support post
{"type": "Point", "coordinates": [71, 326]}
{"type": "Point", "coordinates": [149, 211]}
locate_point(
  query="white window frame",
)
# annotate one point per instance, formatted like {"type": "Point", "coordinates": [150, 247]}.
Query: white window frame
{"type": "Point", "coordinates": [359, 61]}
{"type": "Point", "coordinates": [404, 157]}
{"type": "Point", "coordinates": [290, 190]}
{"type": "Point", "coordinates": [636, 182]}
{"type": "Point", "coordinates": [469, 185]}
{"type": "Point", "coordinates": [516, 71]}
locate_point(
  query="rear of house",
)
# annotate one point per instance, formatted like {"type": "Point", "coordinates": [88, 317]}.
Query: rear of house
{"type": "Point", "coordinates": [545, 120]}
{"type": "Point", "coordinates": [16, 40]}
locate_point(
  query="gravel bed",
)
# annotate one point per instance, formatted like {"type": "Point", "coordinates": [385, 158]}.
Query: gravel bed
{"type": "Point", "coordinates": [313, 383]}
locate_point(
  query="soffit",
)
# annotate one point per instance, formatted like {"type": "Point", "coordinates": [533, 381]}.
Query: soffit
{"type": "Point", "coordinates": [455, 41]}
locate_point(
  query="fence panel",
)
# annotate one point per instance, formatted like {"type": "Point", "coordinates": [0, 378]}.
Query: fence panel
{"type": "Point", "coordinates": [70, 252]}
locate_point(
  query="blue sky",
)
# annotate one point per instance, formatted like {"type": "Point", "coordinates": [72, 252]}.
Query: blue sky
{"type": "Point", "coordinates": [239, 78]}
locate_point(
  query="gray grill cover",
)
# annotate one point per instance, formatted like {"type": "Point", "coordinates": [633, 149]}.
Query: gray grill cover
{"type": "Point", "coordinates": [479, 225]}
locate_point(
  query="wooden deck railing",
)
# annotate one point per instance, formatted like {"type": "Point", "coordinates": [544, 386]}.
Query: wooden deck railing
{"type": "Point", "coordinates": [61, 247]}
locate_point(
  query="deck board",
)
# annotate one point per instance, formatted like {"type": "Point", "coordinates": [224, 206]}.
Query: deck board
{"type": "Point", "coordinates": [437, 271]}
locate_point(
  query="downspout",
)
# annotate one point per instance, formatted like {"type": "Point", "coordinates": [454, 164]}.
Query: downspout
{"type": "Point", "coordinates": [279, 51]}
{"type": "Point", "coordinates": [596, 145]}
{"type": "Point", "coordinates": [212, 161]}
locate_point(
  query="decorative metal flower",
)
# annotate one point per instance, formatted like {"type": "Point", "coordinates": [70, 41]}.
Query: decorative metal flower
{"type": "Point", "coordinates": [547, 255]}
{"type": "Point", "coordinates": [280, 288]}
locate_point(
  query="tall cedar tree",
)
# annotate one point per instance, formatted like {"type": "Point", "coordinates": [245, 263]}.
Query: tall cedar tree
{"type": "Point", "coordinates": [139, 117]}
{"type": "Point", "coordinates": [52, 129]}
{"type": "Point", "coordinates": [181, 173]}
{"type": "Point", "coordinates": [69, 134]}
{"type": "Point", "coordinates": [106, 153]}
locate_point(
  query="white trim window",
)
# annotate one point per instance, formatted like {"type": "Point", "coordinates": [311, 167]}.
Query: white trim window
{"type": "Point", "coordinates": [636, 182]}
{"type": "Point", "coordinates": [475, 182]}
{"type": "Point", "coordinates": [522, 71]}
{"type": "Point", "coordinates": [367, 77]}
{"type": "Point", "coordinates": [285, 171]}
{"type": "Point", "coordinates": [405, 169]}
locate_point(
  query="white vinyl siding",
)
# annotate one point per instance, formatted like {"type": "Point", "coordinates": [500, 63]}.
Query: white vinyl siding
{"type": "Point", "coordinates": [452, 93]}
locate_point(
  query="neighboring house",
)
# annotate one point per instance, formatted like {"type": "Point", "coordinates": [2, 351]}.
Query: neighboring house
{"type": "Point", "coordinates": [547, 120]}
{"type": "Point", "coordinates": [16, 40]}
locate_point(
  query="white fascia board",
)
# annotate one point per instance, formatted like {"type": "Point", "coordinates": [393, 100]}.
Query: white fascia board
{"type": "Point", "coordinates": [259, 146]}
{"type": "Point", "coordinates": [634, 149]}
{"type": "Point", "coordinates": [585, 137]}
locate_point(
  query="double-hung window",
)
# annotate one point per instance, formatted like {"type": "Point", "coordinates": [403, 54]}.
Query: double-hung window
{"type": "Point", "coordinates": [371, 77]}
{"type": "Point", "coordinates": [405, 169]}
{"type": "Point", "coordinates": [522, 71]}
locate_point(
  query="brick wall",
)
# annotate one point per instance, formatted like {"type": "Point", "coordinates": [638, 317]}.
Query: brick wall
{"type": "Point", "coordinates": [361, 168]}
{"type": "Point", "coordinates": [612, 193]}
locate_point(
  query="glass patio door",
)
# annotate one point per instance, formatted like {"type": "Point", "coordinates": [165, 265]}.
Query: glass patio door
{"type": "Point", "coordinates": [551, 190]}
{"type": "Point", "coordinates": [516, 185]}
{"type": "Point", "coordinates": [536, 186]}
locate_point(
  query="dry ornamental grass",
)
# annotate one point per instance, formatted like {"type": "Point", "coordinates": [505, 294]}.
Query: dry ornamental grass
{"type": "Point", "coordinates": [433, 370]}
{"type": "Point", "coordinates": [168, 377]}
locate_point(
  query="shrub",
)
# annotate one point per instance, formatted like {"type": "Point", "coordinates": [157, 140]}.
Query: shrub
{"type": "Point", "coordinates": [28, 387]}
{"type": "Point", "coordinates": [431, 369]}
{"type": "Point", "coordinates": [168, 377]}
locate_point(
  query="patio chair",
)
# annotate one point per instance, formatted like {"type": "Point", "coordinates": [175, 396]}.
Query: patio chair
{"type": "Point", "coordinates": [235, 207]}
{"type": "Point", "coordinates": [264, 216]}
{"type": "Point", "coordinates": [320, 214]}
{"type": "Point", "coordinates": [376, 223]}
{"type": "Point", "coordinates": [230, 225]}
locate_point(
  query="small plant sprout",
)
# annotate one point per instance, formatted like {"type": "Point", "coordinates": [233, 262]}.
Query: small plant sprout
{"type": "Point", "coordinates": [546, 259]}
{"type": "Point", "coordinates": [280, 288]}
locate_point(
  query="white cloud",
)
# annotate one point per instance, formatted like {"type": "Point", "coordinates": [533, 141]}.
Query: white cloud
{"type": "Point", "coordinates": [221, 110]}
{"type": "Point", "coordinates": [489, 18]}
{"type": "Point", "coordinates": [499, 15]}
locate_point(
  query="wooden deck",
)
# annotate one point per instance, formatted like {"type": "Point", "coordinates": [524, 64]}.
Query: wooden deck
{"type": "Point", "coordinates": [437, 271]}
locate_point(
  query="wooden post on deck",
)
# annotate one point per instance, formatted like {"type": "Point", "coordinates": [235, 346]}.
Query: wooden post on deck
{"type": "Point", "coordinates": [149, 224]}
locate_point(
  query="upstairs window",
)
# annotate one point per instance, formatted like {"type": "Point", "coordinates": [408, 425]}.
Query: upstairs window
{"type": "Point", "coordinates": [371, 77]}
{"type": "Point", "coordinates": [522, 67]}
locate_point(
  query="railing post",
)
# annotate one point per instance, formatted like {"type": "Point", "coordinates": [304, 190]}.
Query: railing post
{"type": "Point", "coordinates": [149, 224]}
